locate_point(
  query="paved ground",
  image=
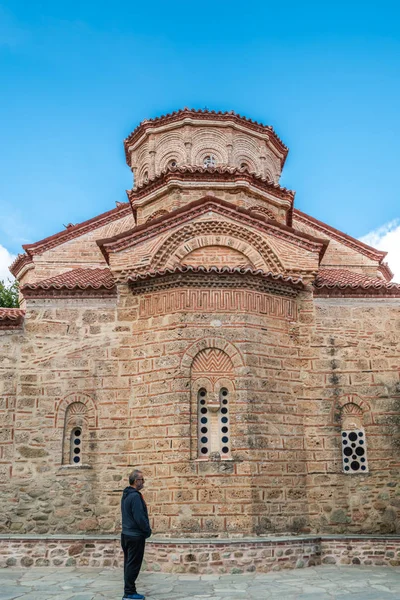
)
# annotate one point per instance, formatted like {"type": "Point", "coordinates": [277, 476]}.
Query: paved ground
{"type": "Point", "coordinates": [321, 583]}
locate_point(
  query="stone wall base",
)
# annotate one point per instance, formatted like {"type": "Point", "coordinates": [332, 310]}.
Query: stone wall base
{"type": "Point", "coordinates": [245, 555]}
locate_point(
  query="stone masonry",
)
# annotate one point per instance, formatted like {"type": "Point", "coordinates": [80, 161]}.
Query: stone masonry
{"type": "Point", "coordinates": [213, 335]}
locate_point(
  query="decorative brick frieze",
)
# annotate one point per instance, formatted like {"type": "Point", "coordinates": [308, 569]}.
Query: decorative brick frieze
{"type": "Point", "coordinates": [213, 118]}
{"type": "Point", "coordinates": [218, 301]}
{"type": "Point", "coordinates": [201, 277]}
{"type": "Point", "coordinates": [230, 175]}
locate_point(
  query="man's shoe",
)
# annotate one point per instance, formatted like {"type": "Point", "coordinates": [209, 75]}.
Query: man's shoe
{"type": "Point", "coordinates": [133, 597]}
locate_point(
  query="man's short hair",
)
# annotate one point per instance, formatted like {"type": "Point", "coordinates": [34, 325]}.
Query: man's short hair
{"type": "Point", "coordinates": [134, 475]}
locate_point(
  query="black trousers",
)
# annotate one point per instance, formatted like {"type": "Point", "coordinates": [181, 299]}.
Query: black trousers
{"type": "Point", "coordinates": [133, 548]}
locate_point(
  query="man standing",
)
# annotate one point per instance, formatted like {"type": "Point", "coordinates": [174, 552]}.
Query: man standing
{"type": "Point", "coordinates": [135, 530]}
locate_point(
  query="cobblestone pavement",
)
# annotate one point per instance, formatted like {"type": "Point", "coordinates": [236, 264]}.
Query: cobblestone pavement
{"type": "Point", "coordinates": [320, 583]}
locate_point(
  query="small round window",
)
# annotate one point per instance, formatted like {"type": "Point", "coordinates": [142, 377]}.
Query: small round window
{"type": "Point", "coordinates": [172, 164]}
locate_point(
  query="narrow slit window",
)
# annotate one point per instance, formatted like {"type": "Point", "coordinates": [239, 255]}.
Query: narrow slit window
{"type": "Point", "coordinates": [204, 424]}
{"type": "Point", "coordinates": [76, 446]}
{"type": "Point", "coordinates": [224, 429]}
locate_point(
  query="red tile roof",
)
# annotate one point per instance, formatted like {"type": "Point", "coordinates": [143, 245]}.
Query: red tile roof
{"type": "Point", "coordinates": [11, 318]}
{"type": "Point", "coordinates": [344, 282]}
{"type": "Point", "coordinates": [185, 213]}
{"type": "Point", "coordinates": [222, 173]}
{"type": "Point", "coordinates": [293, 281]}
{"type": "Point", "coordinates": [77, 280]}
{"type": "Point", "coordinates": [203, 115]}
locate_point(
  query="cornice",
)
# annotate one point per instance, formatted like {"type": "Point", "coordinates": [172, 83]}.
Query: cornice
{"type": "Point", "coordinates": [201, 206]}
{"type": "Point", "coordinates": [214, 277]}
{"type": "Point", "coordinates": [21, 264]}
{"type": "Point", "coordinates": [74, 231]}
{"type": "Point", "coordinates": [341, 237]}
{"type": "Point", "coordinates": [69, 293]}
{"type": "Point", "coordinates": [187, 114]}
{"type": "Point", "coordinates": [349, 291]}
{"type": "Point", "coordinates": [211, 175]}
{"type": "Point", "coordinates": [386, 271]}
{"type": "Point", "coordinates": [341, 282]}
{"type": "Point", "coordinates": [80, 283]}
{"type": "Point", "coordinates": [11, 318]}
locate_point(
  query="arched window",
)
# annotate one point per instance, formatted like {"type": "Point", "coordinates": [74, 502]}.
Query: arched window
{"type": "Point", "coordinates": [209, 161]}
{"type": "Point", "coordinates": [353, 440]}
{"type": "Point", "coordinates": [212, 377]}
{"type": "Point", "coordinates": [203, 424]}
{"type": "Point", "coordinates": [213, 424]}
{"type": "Point", "coordinates": [76, 446]}
{"type": "Point", "coordinates": [224, 423]}
{"type": "Point", "coordinates": [75, 432]}
{"type": "Point", "coordinates": [145, 177]}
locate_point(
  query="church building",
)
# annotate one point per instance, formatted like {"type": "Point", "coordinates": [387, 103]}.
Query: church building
{"type": "Point", "coordinates": [240, 352]}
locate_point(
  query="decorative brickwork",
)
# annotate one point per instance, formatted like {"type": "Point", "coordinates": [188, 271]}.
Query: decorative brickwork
{"type": "Point", "coordinates": [206, 296]}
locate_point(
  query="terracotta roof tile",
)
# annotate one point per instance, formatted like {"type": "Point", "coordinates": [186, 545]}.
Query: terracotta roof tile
{"type": "Point", "coordinates": [210, 115]}
{"type": "Point", "coordinates": [224, 173]}
{"type": "Point", "coordinates": [75, 280]}
{"type": "Point", "coordinates": [343, 281]}
{"type": "Point", "coordinates": [12, 314]}
{"type": "Point", "coordinates": [294, 281]}
{"type": "Point", "coordinates": [11, 318]}
{"type": "Point", "coordinates": [202, 205]}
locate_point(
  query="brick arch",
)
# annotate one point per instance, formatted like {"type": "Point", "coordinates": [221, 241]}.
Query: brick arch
{"type": "Point", "coordinates": [352, 399]}
{"type": "Point", "coordinates": [244, 158]}
{"type": "Point", "coordinates": [351, 404]}
{"type": "Point", "coordinates": [157, 214]}
{"type": "Point", "coordinates": [212, 361]}
{"type": "Point", "coordinates": [187, 247]}
{"type": "Point", "coordinates": [75, 398]}
{"type": "Point", "coordinates": [236, 233]}
{"type": "Point", "coordinates": [216, 343]}
{"type": "Point", "coordinates": [209, 142]}
{"type": "Point", "coordinates": [176, 154]}
{"type": "Point", "coordinates": [262, 210]}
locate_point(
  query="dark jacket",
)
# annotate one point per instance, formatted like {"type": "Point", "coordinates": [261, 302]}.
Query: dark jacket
{"type": "Point", "coordinates": [135, 519]}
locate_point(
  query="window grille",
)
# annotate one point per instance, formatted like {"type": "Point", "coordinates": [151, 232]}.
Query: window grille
{"type": "Point", "coordinates": [354, 451]}
{"type": "Point", "coordinates": [224, 423]}
{"type": "Point", "coordinates": [209, 161]}
{"type": "Point", "coordinates": [76, 446]}
{"type": "Point", "coordinates": [204, 424]}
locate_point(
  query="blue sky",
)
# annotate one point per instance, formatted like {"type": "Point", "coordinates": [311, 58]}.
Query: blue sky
{"type": "Point", "coordinates": [77, 77]}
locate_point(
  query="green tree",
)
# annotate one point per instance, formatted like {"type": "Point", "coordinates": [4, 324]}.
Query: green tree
{"type": "Point", "coordinates": [9, 294]}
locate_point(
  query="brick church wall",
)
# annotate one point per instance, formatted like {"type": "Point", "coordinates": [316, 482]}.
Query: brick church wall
{"type": "Point", "coordinates": [354, 358]}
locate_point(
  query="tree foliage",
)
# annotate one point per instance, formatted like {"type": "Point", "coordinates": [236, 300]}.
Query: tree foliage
{"type": "Point", "coordinates": [9, 294]}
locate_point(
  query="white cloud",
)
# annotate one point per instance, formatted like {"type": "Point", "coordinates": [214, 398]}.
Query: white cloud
{"type": "Point", "coordinates": [387, 238]}
{"type": "Point", "coordinates": [6, 258]}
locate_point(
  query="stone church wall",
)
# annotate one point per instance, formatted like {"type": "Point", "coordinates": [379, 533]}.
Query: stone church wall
{"type": "Point", "coordinates": [126, 368]}
{"type": "Point", "coordinates": [260, 488]}
{"type": "Point", "coordinates": [354, 356]}
{"type": "Point", "coordinates": [126, 372]}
